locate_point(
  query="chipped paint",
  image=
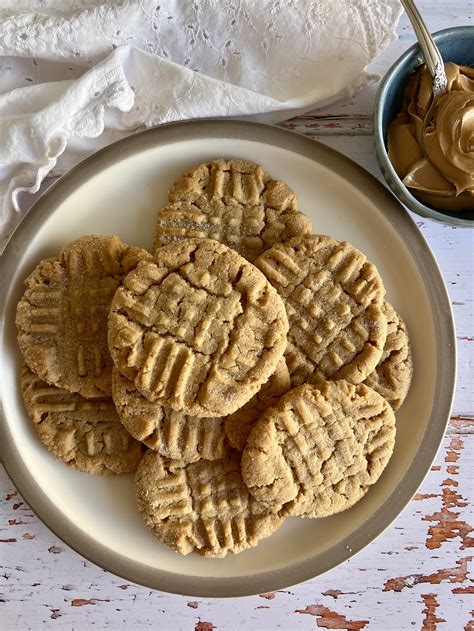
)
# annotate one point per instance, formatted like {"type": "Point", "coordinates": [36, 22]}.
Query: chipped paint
{"type": "Point", "coordinates": [55, 550]}
{"type": "Point", "coordinates": [81, 602]}
{"type": "Point", "coordinates": [328, 619]}
{"type": "Point", "coordinates": [462, 424]}
{"type": "Point", "coordinates": [453, 575]}
{"type": "Point", "coordinates": [456, 445]}
{"type": "Point", "coordinates": [430, 620]}
{"type": "Point", "coordinates": [204, 626]}
{"type": "Point", "coordinates": [446, 523]}
{"type": "Point", "coordinates": [424, 496]}
{"type": "Point", "coordinates": [463, 590]}
{"type": "Point", "coordinates": [449, 482]}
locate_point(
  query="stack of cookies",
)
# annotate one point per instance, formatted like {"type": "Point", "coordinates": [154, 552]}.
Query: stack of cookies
{"type": "Point", "coordinates": [257, 364]}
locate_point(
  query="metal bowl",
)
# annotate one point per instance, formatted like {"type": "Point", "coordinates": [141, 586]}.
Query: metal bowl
{"type": "Point", "coordinates": [456, 45]}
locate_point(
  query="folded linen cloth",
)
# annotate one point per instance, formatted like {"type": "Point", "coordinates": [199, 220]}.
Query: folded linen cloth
{"type": "Point", "coordinates": [75, 75]}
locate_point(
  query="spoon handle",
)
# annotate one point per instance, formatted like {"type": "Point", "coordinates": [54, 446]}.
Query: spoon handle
{"type": "Point", "coordinates": [433, 59]}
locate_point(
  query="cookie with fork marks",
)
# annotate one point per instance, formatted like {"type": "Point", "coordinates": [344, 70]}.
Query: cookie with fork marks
{"type": "Point", "coordinates": [173, 434]}
{"type": "Point", "coordinates": [333, 297]}
{"type": "Point", "coordinates": [198, 329]}
{"type": "Point", "coordinates": [62, 317]}
{"type": "Point", "coordinates": [85, 434]}
{"type": "Point", "coordinates": [239, 424]}
{"type": "Point", "coordinates": [319, 449]}
{"type": "Point", "coordinates": [392, 375]}
{"type": "Point", "coordinates": [202, 507]}
{"type": "Point", "coordinates": [232, 201]}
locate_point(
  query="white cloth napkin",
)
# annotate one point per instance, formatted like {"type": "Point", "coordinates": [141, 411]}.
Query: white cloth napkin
{"type": "Point", "coordinates": [76, 75]}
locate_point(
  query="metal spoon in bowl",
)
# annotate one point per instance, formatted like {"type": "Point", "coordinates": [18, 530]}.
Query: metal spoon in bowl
{"type": "Point", "coordinates": [434, 61]}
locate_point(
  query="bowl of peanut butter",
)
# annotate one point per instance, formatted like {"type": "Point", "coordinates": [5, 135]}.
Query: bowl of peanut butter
{"type": "Point", "coordinates": [428, 162]}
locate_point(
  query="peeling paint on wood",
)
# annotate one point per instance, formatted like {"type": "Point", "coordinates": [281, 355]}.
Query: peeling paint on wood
{"type": "Point", "coordinates": [268, 596]}
{"type": "Point", "coordinates": [204, 626]}
{"type": "Point", "coordinates": [447, 524]}
{"type": "Point", "coordinates": [333, 592]}
{"type": "Point", "coordinates": [463, 590]}
{"type": "Point", "coordinates": [328, 619]}
{"type": "Point", "coordinates": [80, 602]}
{"type": "Point", "coordinates": [453, 575]}
{"type": "Point", "coordinates": [430, 620]}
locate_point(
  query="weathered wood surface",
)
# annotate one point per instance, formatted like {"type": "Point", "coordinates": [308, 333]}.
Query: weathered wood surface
{"type": "Point", "coordinates": [415, 576]}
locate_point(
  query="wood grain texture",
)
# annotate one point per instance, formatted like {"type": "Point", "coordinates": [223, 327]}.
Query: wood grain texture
{"type": "Point", "coordinates": [415, 576]}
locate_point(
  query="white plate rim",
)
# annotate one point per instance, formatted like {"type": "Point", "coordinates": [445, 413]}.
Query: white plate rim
{"type": "Point", "coordinates": [440, 304]}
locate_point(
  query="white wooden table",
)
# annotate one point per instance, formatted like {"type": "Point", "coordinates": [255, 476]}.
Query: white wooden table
{"type": "Point", "coordinates": [415, 576]}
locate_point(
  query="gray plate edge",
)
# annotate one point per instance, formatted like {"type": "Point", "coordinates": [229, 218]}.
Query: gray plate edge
{"type": "Point", "coordinates": [221, 587]}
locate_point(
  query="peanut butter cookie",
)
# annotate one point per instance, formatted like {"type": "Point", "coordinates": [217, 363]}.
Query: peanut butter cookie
{"type": "Point", "coordinates": [62, 317]}
{"type": "Point", "coordinates": [199, 329]}
{"type": "Point", "coordinates": [85, 434]}
{"type": "Point", "coordinates": [392, 377]}
{"type": "Point", "coordinates": [202, 507]}
{"type": "Point", "coordinates": [172, 434]}
{"type": "Point", "coordinates": [234, 202]}
{"type": "Point", "coordinates": [333, 297]}
{"type": "Point", "coordinates": [238, 425]}
{"type": "Point", "coordinates": [319, 449]}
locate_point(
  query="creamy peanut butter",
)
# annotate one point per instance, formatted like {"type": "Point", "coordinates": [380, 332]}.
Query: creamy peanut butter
{"type": "Point", "coordinates": [436, 163]}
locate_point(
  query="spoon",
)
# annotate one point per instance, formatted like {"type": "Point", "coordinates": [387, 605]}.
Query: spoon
{"type": "Point", "coordinates": [434, 61]}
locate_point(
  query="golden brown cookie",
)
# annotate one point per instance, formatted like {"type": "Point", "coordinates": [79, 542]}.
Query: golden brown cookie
{"type": "Point", "coordinates": [238, 425]}
{"type": "Point", "coordinates": [172, 434]}
{"type": "Point", "coordinates": [319, 449]}
{"type": "Point", "coordinates": [203, 507]}
{"type": "Point", "coordinates": [392, 376]}
{"type": "Point", "coordinates": [233, 201]}
{"type": "Point", "coordinates": [62, 317]}
{"type": "Point", "coordinates": [333, 297]}
{"type": "Point", "coordinates": [85, 434]}
{"type": "Point", "coordinates": [199, 329]}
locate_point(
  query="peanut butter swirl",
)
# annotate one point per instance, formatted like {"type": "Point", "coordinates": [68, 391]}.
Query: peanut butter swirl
{"type": "Point", "coordinates": [436, 163]}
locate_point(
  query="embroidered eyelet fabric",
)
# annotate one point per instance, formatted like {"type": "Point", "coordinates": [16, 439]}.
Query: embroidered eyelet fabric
{"type": "Point", "coordinates": [77, 75]}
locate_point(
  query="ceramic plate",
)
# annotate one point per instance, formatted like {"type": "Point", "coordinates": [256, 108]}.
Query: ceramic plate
{"type": "Point", "coordinates": [117, 191]}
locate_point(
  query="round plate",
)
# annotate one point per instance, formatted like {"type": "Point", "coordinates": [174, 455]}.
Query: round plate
{"type": "Point", "coordinates": [118, 191]}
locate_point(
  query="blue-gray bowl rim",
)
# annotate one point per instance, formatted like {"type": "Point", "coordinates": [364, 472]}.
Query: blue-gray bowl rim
{"type": "Point", "coordinates": [389, 173]}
